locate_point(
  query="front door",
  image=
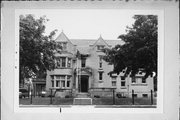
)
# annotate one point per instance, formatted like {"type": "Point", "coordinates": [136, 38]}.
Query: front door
{"type": "Point", "coordinates": [84, 83]}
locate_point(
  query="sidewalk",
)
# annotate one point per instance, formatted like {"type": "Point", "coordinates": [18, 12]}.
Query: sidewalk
{"type": "Point", "coordinates": [95, 106]}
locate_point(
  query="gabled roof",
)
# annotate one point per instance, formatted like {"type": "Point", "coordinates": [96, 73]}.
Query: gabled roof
{"type": "Point", "coordinates": [62, 38]}
{"type": "Point", "coordinates": [83, 50]}
{"type": "Point", "coordinates": [100, 41]}
{"type": "Point", "coordinates": [89, 42]}
{"type": "Point", "coordinates": [84, 44]}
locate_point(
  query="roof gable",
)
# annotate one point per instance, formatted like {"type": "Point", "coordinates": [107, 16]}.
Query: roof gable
{"type": "Point", "coordinates": [100, 41]}
{"type": "Point", "coordinates": [62, 38]}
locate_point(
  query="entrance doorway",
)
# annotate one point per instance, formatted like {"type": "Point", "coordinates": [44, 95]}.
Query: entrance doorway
{"type": "Point", "coordinates": [84, 83]}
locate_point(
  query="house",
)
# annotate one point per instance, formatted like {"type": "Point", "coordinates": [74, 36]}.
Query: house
{"type": "Point", "coordinates": [81, 69]}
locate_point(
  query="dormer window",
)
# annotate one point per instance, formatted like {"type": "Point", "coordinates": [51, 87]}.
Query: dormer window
{"type": "Point", "coordinates": [63, 45]}
{"type": "Point", "coordinates": [100, 47]}
{"type": "Point", "coordinates": [83, 62]}
{"type": "Point", "coordinates": [100, 61]}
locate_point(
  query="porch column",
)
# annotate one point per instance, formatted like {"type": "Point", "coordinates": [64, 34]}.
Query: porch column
{"type": "Point", "coordinates": [76, 82]}
{"type": "Point", "coordinates": [66, 60]}
{"type": "Point", "coordinates": [66, 81]}
{"type": "Point", "coordinates": [89, 80]}
{"type": "Point", "coordinates": [54, 82]}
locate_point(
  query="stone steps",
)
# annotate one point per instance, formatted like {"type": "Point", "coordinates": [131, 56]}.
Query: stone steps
{"type": "Point", "coordinates": [82, 95]}
{"type": "Point", "coordinates": [82, 99]}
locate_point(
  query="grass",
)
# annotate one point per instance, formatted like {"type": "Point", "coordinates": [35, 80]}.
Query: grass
{"type": "Point", "coordinates": [96, 101]}
{"type": "Point", "coordinates": [46, 101]}
{"type": "Point", "coordinates": [123, 101]}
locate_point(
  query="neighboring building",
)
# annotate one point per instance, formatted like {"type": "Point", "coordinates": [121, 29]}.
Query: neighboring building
{"type": "Point", "coordinates": [80, 68]}
{"type": "Point", "coordinates": [39, 85]}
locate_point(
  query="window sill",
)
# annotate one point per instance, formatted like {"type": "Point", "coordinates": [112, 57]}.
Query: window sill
{"type": "Point", "coordinates": [139, 84]}
{"type": "Point", "coordinates": [123, 88]}
{"type": "Point", "coordinates": [100, 70]}
{"type": "Point", "coordinates": [100, 81]}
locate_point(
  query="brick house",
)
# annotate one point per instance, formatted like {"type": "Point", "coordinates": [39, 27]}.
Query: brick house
{"type": "Point", "coordinates": [81, 69]}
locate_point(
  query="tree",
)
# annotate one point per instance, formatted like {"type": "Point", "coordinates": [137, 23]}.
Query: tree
{"type": "Point", "coordinates": [139, 51]}
{"type": "Point", "coordinates": [37, 51]}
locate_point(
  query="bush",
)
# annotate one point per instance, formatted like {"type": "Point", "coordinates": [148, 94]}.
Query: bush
{"type": "Point", "coordinates": [96, 96]}
{"type": "Point", "coordinates": [119, 95]}
{"type": "Point", "coordinates": [67, 96]}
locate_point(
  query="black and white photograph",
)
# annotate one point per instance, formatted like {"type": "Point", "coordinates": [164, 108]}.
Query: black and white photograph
{"type": "Point", "coordinates": [103, 58]}
{"type": "Point", "coordinates": [90, 60]}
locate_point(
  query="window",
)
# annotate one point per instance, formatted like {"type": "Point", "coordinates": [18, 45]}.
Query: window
{"type": "Point", "coordinates": [63, 45]}
{"type": "Point", "coordinates": [69, 62]}
{"type": "Point", "coordinates": [100, 47]}
{"type": "Point", "coordinates": [63, 62]}
{"type": "Point", "coordinates": [57, 83]}
{"type": "Point", "coordinates": [68, 83]}
{"type": "Point", "coordinates": [58, 77]}
{"type": "Point", "coordinates": [83, 62]}
{"type": "Point", "coordinates": [123, 83]}
{"type": "Point", "coordinates": [135, 95]}
{"type": "Point", "coordinates": [100, 76]}
{"type": "Point", "coordinates": [133, 80]}
{"type": "Point", "coordinates": [62, 77]}
{"type": "Point", "coordinates": [59, 80]}
{"type": "Point", "coordinates": [113, 83]}
{"type": "Point", "coordinates": [74, 61]}
{"type": "Point", "coordinates": [62, 83]}
{"type": "Point", "coordinates": [145, 95]}
{"type": "Point", "coordinates": [100, 65]}
{"type": "Point", "coordinates": [143, 80]}
{"type": "Point", "coordinates": [100, 61]}
{"type": "Point", "coordinates": [122, 78]}
{"type": "Point", "coordinates": [114, 78]}
{"type": "Point", "coordinates": [58, 62]}
{"type": "Point", "coordinates": [52, 83]}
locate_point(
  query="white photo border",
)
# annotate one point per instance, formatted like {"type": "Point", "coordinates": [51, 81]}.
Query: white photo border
{"type": "Point", "coordinates": [11, 103]}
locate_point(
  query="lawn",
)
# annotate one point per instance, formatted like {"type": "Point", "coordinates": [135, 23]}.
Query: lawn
{"type": "Point", "coordinates": [123, 101]}
{"type": "Point", "coordinates": [95, 101]}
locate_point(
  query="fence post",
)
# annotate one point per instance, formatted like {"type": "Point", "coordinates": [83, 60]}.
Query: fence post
{"type": "Point", "coordinates": [51, 97]}
{"type": "Point", "coordinates": [31, 97]}
{"type": "Point", "coordinates": [113, 97]}
{"type": "Point", "coordinates": [151, 97]}
{"type": "Point", "coordinates": [133, 97]}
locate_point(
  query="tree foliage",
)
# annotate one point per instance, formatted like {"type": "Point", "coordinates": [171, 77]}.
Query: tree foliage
{"type": "Point", "coordinates": [139, 51]}
{"type": "Point", "coordinates": [36, 49]}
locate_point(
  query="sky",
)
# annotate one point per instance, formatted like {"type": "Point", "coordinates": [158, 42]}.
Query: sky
{"type": "Point", "coordinates": [87, 23]}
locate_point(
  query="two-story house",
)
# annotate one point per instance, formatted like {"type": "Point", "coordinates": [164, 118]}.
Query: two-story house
{"type": "Point", "coordinates": [80, 68]}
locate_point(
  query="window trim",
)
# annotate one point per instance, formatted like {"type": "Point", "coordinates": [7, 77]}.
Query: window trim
{"type": "Point", "coordinates": [115, 83]}
{"type": "Point", "coordinates": [100, 76]}
{"type": "Point", "coordinates": [63, 58]}
{"type": "Point", "coordinates": [58, 81]}
{"type": "Point", "coordinates": [133, 80]}
{"type": "Point", "coordinates": [145, 96]}
{"type": "Point", "coordinates": [52, 83]}
{"type": "Point", "coordinates": [124, 83]}
{"type": "Point", "coordinates": [69, 62]}
{"type": "Point", "coordinates": [100, 47]}
{"type": "Point", "coordinates": [144, 80]}
{"type": "Point", "coordinates": [69, 84]}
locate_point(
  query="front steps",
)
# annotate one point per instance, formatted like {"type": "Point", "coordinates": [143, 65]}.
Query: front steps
{"type": "Point", "coordinates": [82, 95]}
{"type": "Point", "coordinates": [82, 99]}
